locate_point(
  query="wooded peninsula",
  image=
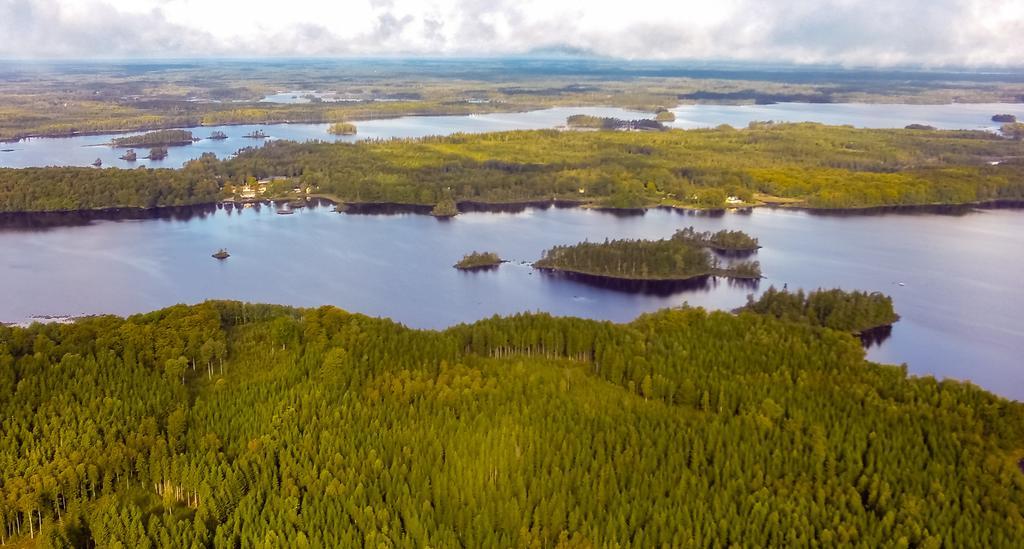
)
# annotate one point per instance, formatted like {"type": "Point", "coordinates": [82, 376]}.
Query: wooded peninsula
{"type": "Point", "coordinates": [236, 425]}
{"type": "Point", "coordinates": [808, 165]}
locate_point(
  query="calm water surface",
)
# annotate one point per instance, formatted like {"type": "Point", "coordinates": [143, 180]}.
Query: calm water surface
{"type": "Point", "coordinates": [961, 301]}
{"type": "Point", "coordinates": [84, 150]}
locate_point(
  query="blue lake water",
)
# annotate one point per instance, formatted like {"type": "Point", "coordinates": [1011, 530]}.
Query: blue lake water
{"type": "Point", "coordinates": [960, 301]}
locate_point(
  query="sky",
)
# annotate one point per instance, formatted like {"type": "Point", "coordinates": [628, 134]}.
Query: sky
{"type": "Point", "coordinates": [964, 33]}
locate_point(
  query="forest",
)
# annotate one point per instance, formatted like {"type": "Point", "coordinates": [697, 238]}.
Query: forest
{"type": "Point", "coordinates": [665, 259]}
{"type": "Point", "coordinates": [853, 312]}
{"type": "Point", "coordinates": [809, 165]}
{"type": "Point", "coordinates": [237, 425]}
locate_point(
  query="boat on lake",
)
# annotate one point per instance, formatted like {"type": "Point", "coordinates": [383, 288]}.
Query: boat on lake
{"type": "Point", "coordinates": [221, 254]}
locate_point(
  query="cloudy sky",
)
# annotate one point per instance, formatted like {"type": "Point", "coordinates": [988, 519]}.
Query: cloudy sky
{"type": "Point", "coordinates": [851, 32]}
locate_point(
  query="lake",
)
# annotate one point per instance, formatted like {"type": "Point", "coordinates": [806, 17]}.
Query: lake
{"type": "Point", "coordinates": [84, 150]}
{"type": "Point", "coordinates": [960, 298]}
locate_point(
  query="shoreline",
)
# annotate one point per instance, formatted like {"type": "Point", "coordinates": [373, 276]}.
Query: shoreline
{"type": "Point", "coordinates": [398, 208]}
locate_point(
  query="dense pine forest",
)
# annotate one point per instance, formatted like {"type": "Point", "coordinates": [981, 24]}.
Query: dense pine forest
{"type": "Point", "coordinates": [836, 309]}
{"type": "Point", "coordinates": [234, 425]}
{"type": "Point", "coordinates": [805, 164]}
{"type": "Point", "coordinates": [676, 258]}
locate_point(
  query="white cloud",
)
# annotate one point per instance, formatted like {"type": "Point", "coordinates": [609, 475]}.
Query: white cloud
{"type": "Point", "coordinates": [868, 32]}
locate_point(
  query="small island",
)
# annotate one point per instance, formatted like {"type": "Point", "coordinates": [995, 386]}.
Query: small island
{"type": "Point", "coordinates": [445, 208]}
{"type": "Point", "coordinates": [919, 127]}
{"type": "Point", "coordinates": [586, 121]}
{"type": "Point", "coordinates": [664, 115]}
{"type": "Point", "coordinates": [667, 260]}
{"type": "Point", "coordinates": [342, 128]}
{"type": "Point", "coordinates": [475, 261]}
{"type": "Point", "coordinates": [854, 312]}
{"type": "Point", "coordinates": [157, 153]}
{"type": "Point", "coordinates": [256, 134]}
{"type": "Point", "coordinates": [723, 241]}
{"type": "Point", "coordinates": [162, 138]}
{"type": "Point", "coordinates": [218, 136]}
{"type": "Point", "coordinates": [1004, 118]}
{"type": "Point", "coordinates": [98, 163]}
{"type": "Point", "coordinates": [221, 254]}
{"type": "Point", "coordinates": [129, 156]}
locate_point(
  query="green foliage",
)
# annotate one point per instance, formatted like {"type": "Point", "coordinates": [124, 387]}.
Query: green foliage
{"type": "Point", "coordinates": [724, 240]}
{"type": "Point", "coordinates": [157, 153]}
{"type": "Point", "coordinates": [664, 115]}
{"type": "Point", "coordinates": [814, 165]}
{"type": "Point", "coordinates": [445, 208]}
{"type": "Point", "coordinates": [683, 428]}
{"type": "Point", "coordinates": [154, 139]}
{"type": "Point", "coordinates": [676, 258]}
{"type": "Point", "coordinates": [57, 189]}
{"type": "Point", "coordinates": [478, 260]}
{"type": "Point", "coordinates": [1013, 130]}
{"type": "Point", "coordinates": [847, 311]}
{"type": "Point", "coordinates": [342, 128]}
{"type": "Point", "coordinates": [587, 121]}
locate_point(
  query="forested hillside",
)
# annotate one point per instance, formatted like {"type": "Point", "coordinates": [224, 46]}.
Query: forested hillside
{"type": "Point", "coordinates": [806, 164]}
{"type": "Point", "coordinates": [236, 425]}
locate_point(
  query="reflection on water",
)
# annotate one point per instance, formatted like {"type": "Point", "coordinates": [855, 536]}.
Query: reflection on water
{"type": "Point", "coordinates": [954, 279]}
{"type": "Point", "coordinates": [875, 337]}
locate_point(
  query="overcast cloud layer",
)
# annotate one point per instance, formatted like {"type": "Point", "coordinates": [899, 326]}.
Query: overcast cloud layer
{"type": "Point", "coordinates": [851, 32]}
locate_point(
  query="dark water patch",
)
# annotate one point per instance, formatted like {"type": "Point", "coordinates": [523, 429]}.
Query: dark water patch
{"type": "Point", "coordinates": [662, 288]}
{"type": "Point", "coordinates": [386, 208]}
{"type": "Point", "coordinates": [734, 254]}
{"type": "Point", "coordinates": [875, 337]}
{"type": "Point", "coordinates": [41, 221]}
{"type": "Point", "coordinates": [621, 212]}
{"type": "Point", "coordinates": [911, 209]}
{"type": "Point", "coordinates": [470, 206]}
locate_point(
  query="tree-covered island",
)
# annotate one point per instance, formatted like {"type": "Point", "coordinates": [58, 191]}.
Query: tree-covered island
{"type": "Point", "coordinates": [854, 312]}
{"type": "Point", "coordinates": [161, 138]}
{"type": "Point", "coordinates": [342, 128]}
{"type": "Point", "coordinates": [586, 121]}
{"type": "Point", "coordinates": [478, 260]}
{"type": "Point", "coordinates": [672, 259]}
